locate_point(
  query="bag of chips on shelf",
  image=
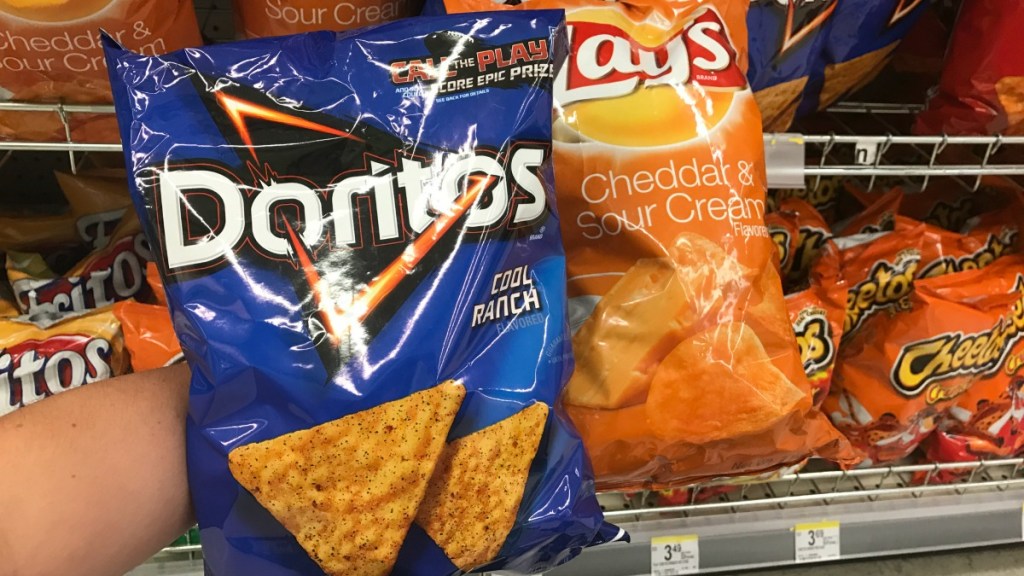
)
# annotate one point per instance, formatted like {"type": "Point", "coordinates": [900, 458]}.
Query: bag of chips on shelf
{"type": "Point", "coordinates": [784, 230]}
{"type": "Point", "coordinates": [112, 273]}
{"type": "Point", "coordinates": [156, 284]}
{"type": "Point", "coordinates": [945, 252]}
{"type": "Point", "coordinates": [880, 270]}
{"type": "Point", "coordinates": [686, 364]}
{"type": "Point", "coordinates": [861, 41]}
{"type": "Point", "coordinates": [899, 374]}
{"type": "Point", "coordinates": [817, 314]}
{"type": "Point", "coordinates": [7, 306]}
{"type": "Point", "coordinates": [368, 281]}
{"type": "Point", "coordinates": [787, 42]}
{"type": "Point", "coordinates": [981, 90]}
{"type": "Point", "coordinates": [148, 335]}
{"type": "Point", "coordinates": [258, 18]}
{"type": "Point", "coordinates": [50, 52]}
{"type": "Point", "coordinates": [813, 234]}
{"type": "Point", "coordinates": [879, 216]}
{"type": "Point", "coordinates": [96, 203]}
{"type": "Point", "coordinates": [986, 421]}
{"type": "Point", "coordinates": [43, 356]}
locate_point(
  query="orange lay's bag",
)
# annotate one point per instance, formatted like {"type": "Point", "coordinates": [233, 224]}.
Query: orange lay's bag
{"type": "Point", "coordinates": [148, 335]}
{"type": "Point", "coordinates": [50, 51]}
{"type": "Point", "coordinates": [258, 18]}
{"type": "Point", "coordinates": [899, 374]}
{"type": "Point", "coordinates": [686, 364]}
{"type": "Point", "coordinates": [113, 273]}
{"type": "Point", "coordinates": [48, 357]}
{"type": "Point", "coordinates": [986, 421]}
{"type": "Point", "coordinates": [817, 315]}
{"type": "Point", "coordinates": [813, 234]}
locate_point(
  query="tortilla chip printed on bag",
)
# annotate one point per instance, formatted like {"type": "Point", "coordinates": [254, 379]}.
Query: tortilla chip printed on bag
{"type": "Point", "coordinates": [148, 335]}
{"type": "Point", "coordinates": [981, 90]}
{"type": "Point", "coordinates": [52, 53]}
{"type": "Point", "coordinates": [987, 421]}
{"type": "Point", "coordinates": [43, 356]}
{"type": "Point", "coordinates": [375, 268]}
{"type": "Point", "coordinates": [899, 374]}
{"type": "Point", "coordinates": [110, 274]}
{"type": "Point", "coordinates": [662, 192]}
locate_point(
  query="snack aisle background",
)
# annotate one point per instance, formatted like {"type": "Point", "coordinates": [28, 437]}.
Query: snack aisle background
{"type": "Point", "coordinates": [881, 512]}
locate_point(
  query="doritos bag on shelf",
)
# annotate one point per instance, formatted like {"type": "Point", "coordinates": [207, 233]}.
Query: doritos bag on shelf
{"type": "Point", "coordinates": [44, 356]}
{"type": "Point", "coordinates": [987, 421]}
{"type": "Point", "coordinates": [899, 374]}
{"type": "Point", "coordinates": [787, 41]}
{"type": "Point", "coordinates": [981, 90]}
{"type": "Point", "coordinates": [686, 364]}
{"type": "Point", "coordinates": [258, 18]}
{"type": "Point", "coordinates": [50, 52]}
{"type": "Point", "coordinates": [368, 282]}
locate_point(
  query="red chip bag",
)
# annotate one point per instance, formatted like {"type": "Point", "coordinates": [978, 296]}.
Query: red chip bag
{"type": "Point", "coordinates": [115, 272]}
{"type": "Point", "coordinates": [986, 421]}
{"type": "Point", "coordinates": [42, 359]}
{"type": "Point", "coordinates": [898, 375]}
{"type": "Point", "coordinates": [981, 90]}
{"type": "Point", "coordinates": [50, 51]}
{"type": "Point", "coordinates": [148, 335]}
{"type": "Point", "coordinates": [817, 314]}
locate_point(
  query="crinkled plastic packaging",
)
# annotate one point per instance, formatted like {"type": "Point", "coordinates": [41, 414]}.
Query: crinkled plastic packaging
{"type": "Point", "coordinates": [360, 250]}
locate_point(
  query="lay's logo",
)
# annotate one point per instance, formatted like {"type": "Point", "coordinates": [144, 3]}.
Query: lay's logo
{"type": "Point", "coordinates": [886, 286]}
{"type": "Point", "coordinates": [815, 338]}
{"type": "Point", "coordinates": [610, 62]}
{"type": "Point", "coordinates": [955, 353]}
{"type": "Point", "coordinates": [996, 245]}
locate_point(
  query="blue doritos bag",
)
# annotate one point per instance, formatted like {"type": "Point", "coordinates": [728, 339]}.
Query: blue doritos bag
{"type": "Point", "coordinates": [360, 247]}
{"type": "Point", "coordinates": [786, 45]}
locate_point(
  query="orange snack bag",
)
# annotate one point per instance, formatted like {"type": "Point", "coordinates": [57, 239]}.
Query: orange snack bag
{"type": "Point", "coordinates": [945, 252]}
{"type": "Point", "coordinates": [880, 271]}
{"type": "Point", "coordinates": [48, 357]}
{"type": "Point", "coordinates": [686, 364]}
{"type": "Point", "coordinates": [785, 232]}
{"type": "Point", "coordinates": [898, 375]}
{"type": "Point", "coordinates": [112, 273]}
{"type": "Point", "coordinates": [987, 420]}
{"type": "Point", "coordinates": [879, 216]}
{"type": "Point", "coordinates": [257, 18]}
{"type": "Point", "coordinates": [817, 315]}
{"type": "Point", "coordinates": [813, 234]}
{"type": "Point", "coordinates": [148, 335]}
{"type": "Point", "coordinates": [156, 284]}
{"type": "Point", "coordinates": [50, 51]}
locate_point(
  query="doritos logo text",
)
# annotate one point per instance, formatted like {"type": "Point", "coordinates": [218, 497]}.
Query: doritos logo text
{"type": "Point", "coordinates": [35, 369]}
{"type": "Point", "coordinates": [955, 353]}
{"type": "Point", "coordinates": [609, 62]}
{"type": "Point", "coordinates": [206, 213]}
{"type": "Point", "coordinates": [886, 285]}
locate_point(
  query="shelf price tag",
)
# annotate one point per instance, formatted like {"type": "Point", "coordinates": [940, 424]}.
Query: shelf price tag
{"type": "Point", "coordinates": [674, 555]}
{"type": "Point", "coordinates": [816, 542]}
